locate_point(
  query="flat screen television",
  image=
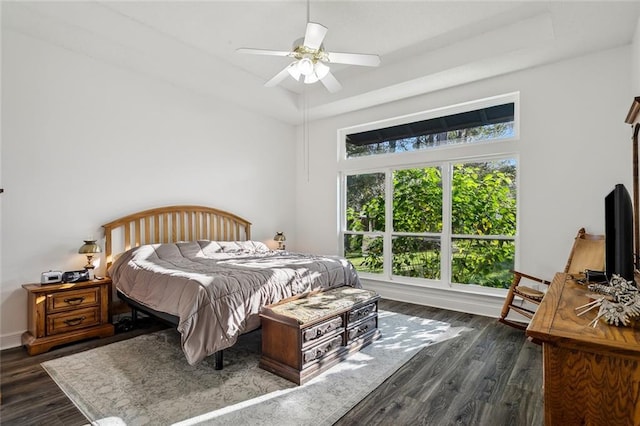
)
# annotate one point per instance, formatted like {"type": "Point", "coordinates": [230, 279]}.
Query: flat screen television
{"type": "Point", "coordinates": [618, 213]}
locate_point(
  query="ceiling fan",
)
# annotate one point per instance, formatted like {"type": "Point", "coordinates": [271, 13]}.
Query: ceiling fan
{"type": "Point", "coordinates": [312, 61]}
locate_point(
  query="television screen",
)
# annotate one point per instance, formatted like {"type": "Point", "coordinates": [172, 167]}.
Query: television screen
{"type": "Point", "coordinates": [619, 233]}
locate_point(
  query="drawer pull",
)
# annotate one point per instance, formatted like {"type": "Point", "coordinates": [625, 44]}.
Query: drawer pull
{"type": "Point", "coordinates": [74, 300]}
{"type": "Point", "coordinates": [74, 321]}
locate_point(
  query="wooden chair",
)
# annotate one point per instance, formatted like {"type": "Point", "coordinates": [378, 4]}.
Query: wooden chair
{"type": "Point", "coordinates": [587, 253]}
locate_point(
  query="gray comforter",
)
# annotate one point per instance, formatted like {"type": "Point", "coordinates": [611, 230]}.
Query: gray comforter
{"type": "Point", "coordinates": [217, 288]}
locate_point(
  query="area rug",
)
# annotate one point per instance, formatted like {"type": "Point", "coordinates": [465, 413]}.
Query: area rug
{"type": "Point", "coordinates": [147, 381]}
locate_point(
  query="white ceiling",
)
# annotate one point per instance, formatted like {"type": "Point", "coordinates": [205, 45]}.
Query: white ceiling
{"type": "Point", "coordinates": [424, 45]}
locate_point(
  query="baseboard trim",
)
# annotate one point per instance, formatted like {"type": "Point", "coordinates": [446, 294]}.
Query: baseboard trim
{"type": "Point", "coordinates": [8, 341]}
{"type": "Point", "coordinates": [459, 301]}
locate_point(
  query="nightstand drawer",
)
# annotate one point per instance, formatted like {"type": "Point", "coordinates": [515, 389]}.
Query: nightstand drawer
{"type": "Point", "coordinates": [73, 320]}
{"type": "Point", "coordinates": [63, 301]}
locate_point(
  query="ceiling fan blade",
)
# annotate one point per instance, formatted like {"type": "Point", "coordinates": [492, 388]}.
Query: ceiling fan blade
{"type": "Point", "coordinates": [314, 35]}
{"type": "Point", "coordinates": [279, 77]}
{"type": "Point", "coordinates": [263, 52]}
{"type": "Point", "coordinates": [354, 59]}
{"type": "Point", "coordinates": [331, 83]}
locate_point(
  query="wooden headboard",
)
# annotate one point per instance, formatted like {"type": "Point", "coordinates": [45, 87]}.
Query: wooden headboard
{"type": "Point", "coordinates": [171, 224]}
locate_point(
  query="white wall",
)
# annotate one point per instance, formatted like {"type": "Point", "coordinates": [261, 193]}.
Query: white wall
{"type": "Point", "coordinates": [84, 143]}
{"type": "Point", "coordinates": [574, 148]}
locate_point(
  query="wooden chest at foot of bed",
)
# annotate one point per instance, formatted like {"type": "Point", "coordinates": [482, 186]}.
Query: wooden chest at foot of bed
{"type": "Point", "coordinates": [305, 336]}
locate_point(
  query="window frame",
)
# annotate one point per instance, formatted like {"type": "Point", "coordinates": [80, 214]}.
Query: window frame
{"type": "Point", "coordinates": [442, 156]}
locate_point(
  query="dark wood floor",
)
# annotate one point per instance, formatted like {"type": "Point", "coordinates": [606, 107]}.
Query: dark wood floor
{"type": "Point", "coordinates": [489, 375]}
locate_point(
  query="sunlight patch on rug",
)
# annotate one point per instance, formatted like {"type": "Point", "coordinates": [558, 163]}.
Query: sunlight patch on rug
{"type": "Point", "coordinates": [147, 381]}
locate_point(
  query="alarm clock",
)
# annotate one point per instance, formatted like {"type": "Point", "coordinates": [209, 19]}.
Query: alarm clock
{"type": "Point", "coordinates": [76, 276]}
{"type": "Point", "coordinates": [51, 277]}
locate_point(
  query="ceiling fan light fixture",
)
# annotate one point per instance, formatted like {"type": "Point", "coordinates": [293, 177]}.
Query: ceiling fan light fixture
{"type": "Point", "coordinates": [305, 66]}
{"type": "Point", "coordinates": [311, 78]}
{"type": "Point", "coordinates": [311, 60]}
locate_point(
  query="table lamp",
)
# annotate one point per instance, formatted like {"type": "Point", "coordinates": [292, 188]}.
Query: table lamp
{"type": "Point", "coordinates": [280, 239]}
{"type": "Point", "coordinates": [90, 248]}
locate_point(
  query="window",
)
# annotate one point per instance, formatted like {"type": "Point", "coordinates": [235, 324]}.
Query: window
{"type": "Point", "coordinates": [445, 216]}
{"type": "Point", "coordinates": [417, 222]}
{"type": "Point", "coordinates": [365, 215]}
{"type": "Point", "coordinates": [490, 123]}
{"type": "Point", "coordinates": [483, 222]}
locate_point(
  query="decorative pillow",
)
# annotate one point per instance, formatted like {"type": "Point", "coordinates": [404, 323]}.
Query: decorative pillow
{"type": "Point", "coordinates": [233, 247]}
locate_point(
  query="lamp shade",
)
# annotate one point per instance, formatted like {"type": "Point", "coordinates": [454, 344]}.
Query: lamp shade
{"type": "Point", "coordinates": [311, 78]}
{"type": "Point", "coordinates": [90, 247]}
{"type": "Point", "coordinates": [305, 66]}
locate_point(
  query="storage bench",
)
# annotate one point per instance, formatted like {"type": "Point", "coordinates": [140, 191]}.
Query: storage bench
{"type": "Point", "coordinates": [305, 336]}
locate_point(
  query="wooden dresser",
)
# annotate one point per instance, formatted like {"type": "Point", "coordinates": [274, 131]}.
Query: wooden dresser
{"type": "Point", "coordinates": [303, 337]}
{"type": "Point", "coordinates": [591, 375]}
{"type": "Point", "coordinates": [64, 313]}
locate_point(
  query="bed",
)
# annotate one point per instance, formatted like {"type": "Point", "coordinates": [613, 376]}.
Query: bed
{"type": "Point", "coordinates": [198, 268]}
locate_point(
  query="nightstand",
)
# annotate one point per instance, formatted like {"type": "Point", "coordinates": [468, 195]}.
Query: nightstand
{"type": "Point", "coordinates": [67, 312]}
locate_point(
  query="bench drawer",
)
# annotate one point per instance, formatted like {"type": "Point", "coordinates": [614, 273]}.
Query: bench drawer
{"type": "Point", "coordinates": [321, 350]}
{"type": "Point", "coordinates": [362, 329]}
{"type": "Point", "coordinates": [313, 334]}
{"type": "Point", "coordinates": [360, 313]}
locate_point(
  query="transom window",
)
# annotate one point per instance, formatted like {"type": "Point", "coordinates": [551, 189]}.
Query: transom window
{"type": "Point", "coordinates": [452, 220]}
{"type": "Point", "coordinates": [490, 123]}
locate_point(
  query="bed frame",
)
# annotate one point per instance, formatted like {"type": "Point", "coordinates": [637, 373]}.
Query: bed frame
{"type": "Point", "coordinates": [169, 225]}
{"type": "Point", "coordinates": [172, 224]}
